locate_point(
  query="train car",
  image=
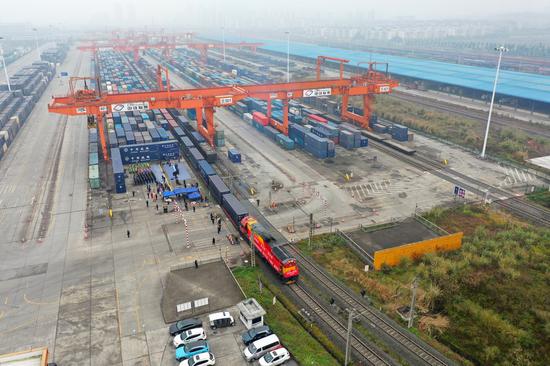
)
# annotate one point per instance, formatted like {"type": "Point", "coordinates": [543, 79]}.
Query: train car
{"type": "Point", "coordinates": [401, 148]}
{"type": "Point", "coordinates": [265, 243]}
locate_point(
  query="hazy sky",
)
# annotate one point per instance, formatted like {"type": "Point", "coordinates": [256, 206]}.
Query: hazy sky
{"type": "Point", "coordinates": [195, 13]}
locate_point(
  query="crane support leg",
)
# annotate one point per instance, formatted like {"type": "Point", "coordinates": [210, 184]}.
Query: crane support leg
{"type": "Point", "coordinates": [101, 132]}
{"type": "Point", "coordinates": [285, 117]}
{"type": "Point", "coordinates": [209, 111]}
{"type": "Point", "coordinates": [361, 120]}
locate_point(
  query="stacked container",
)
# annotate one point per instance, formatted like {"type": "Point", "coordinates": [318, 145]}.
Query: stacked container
{"type": "Point", "coordinates": [400, 133]}
{"type": "Point", "coordinates": [93, 160]}
{"type": "Point", "coordinates": [234, 155]}
{"type": "Point", "coordinates": [118, 171]}
{"type": "Point", "coordinates": [317, 146]}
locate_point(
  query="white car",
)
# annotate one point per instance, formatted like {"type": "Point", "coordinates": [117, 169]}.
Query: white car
{"type": "Point", "coordinates": [202, 359]}
{"type": "Point", "coordinates": [274, 358]}
{"type": "Point", "coordinates": [189, 336]}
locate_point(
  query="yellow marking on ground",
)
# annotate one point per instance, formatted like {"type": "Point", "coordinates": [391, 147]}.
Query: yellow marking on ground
{"type": "Point", "coordinates": [6, 301]}
{"type": "Point", "coordinates": [36, 302]}
{"type": "Point", "coordinates": [7, 331]}
{"type": "Point", "coordinates": [2, 313]}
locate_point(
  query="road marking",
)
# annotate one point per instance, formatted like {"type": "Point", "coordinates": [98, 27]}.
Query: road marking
{"type": "Point", "coordinates": [37, 303]}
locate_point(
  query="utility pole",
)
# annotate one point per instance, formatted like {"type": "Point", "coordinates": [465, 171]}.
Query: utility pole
{"type": "Point", "coordinates": [413, 301]}
{"type": "Point", "coordinates": [310, 229]}
{"type": "Point", "coordinates": [348, 335]}
{"type": "Point", "coordinates": [330, 219]}
{"type": "Point", "coordinates": [223, 40]}
{"type": "Point", "coordinates": [287, 57]}
{"type": "Point", "coordinates": [5, 66]}
{"type": "Point", "coordinates": [500, 50]}
{"type": "Point", "coordinates": [252, 251]}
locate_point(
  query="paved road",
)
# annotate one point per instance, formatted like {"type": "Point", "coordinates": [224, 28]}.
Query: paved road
{"type": "Point", "coordinates": [23, 61]}
{"type": "Point", "coordinates": [42, 207]}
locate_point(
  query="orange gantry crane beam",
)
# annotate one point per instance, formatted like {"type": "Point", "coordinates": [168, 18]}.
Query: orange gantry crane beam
{"type": "Point", "coordinates": [93, 102]}
{"type": "Point", "coordinates": [166, 48]}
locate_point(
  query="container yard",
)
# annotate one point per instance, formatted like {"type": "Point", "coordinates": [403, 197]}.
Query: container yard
{"type": "Point", "coordinates": [229, 192]}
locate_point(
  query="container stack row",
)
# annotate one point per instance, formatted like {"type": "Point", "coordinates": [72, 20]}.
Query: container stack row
{"type": "Point", "coordinates": [118, 171]}
{"type": "Point", "coordinates": [55, 55]}
{"type": "Point", "coordinates": [27, 87]}
{"type": "Point", "coordinates": [93, 159]}
{"type": "Point", "coordinates": [116, 74]}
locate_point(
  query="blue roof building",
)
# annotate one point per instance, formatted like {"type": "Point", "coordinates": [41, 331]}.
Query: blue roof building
{"type": "Point", "coordinates": [526, 86]}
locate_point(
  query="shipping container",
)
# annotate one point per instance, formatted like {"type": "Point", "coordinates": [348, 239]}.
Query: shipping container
{"type": "Point", "coordinates": [234, 155]}
{"type": "Point", "coordinates": [206, 169]}
{"type": "Point", "coordinates": [217, 187]}
{"type": "Point", "coordinates": [234, 209]}
{"type": "Point", "coordinates": [286, 142]}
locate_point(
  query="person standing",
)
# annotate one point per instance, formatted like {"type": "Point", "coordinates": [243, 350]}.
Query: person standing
{"type": "Point", "coordinates": [128, 233]}
{"type": "Point", "coordinates": [213, 241]}
{"type": "Point", "coordinates": [147, 203]}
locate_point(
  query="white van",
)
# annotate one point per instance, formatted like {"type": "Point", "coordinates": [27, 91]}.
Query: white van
{"type": "Point", "coordinates": [260, 347]}
{"type": "Point", "coordinates": [220, 320]}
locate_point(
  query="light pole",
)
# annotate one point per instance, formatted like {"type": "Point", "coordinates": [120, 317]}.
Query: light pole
{"type": "Point", "coordinates": [36, 40]}
{"type": "Point", "coordinates": [287, 57]}
{"type": "Point", "coordinates": [223, 41]}
{"type": "Point", "coordinates": [5, 66]}
{"type": "Point", "coordinates": [351, 317]}
{"type": "Point", "coordinates": [500, 50]}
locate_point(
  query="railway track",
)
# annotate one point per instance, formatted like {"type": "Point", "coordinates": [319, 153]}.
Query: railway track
{"type": "Point", "coordinates": [502, 121]}
{"type": "Point", "coordinates": [499, 196]}
{"type": "Point", "coordinates": [407, 342]}
{"type": "Point", "coordinates": [368, 353]}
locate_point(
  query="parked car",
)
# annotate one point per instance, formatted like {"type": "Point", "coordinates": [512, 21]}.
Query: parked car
{"type": "Point", "coordinates": [276, 357]}
{"type": "Point", "coordinates": [254, 334]}
{"type": "Point", "coordinates": [220, 320]}
{"type": "Point", "coordinates": [191, 349]}
{"type": "Point", "coordinates": [202, 359]}
{"type": "Point", "coordinates": [183, 325]}
{"type": "Point", "coordinates": [189, 336]}
{"type": "Point", "coordinates": [260, 347]}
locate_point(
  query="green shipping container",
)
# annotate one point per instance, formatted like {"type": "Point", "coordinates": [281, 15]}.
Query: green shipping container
{"type": "Point", "coordinates": [95, 183]}
{"type": "Point", "coordinates": [93, 159]}
{"type": "Point", "coordinates": [93, 172]}
{"type": "Point", "coordinates": [219, 134]}
{"type": "Point", "coordinates": [219, 142]}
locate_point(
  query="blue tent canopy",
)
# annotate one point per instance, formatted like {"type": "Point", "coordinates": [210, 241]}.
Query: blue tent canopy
{"type": "Point", "coordinates": [188, 192]}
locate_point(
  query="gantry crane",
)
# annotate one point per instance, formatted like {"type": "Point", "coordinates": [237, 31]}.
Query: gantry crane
{"type": "Point", "coordinates": [94, 102]}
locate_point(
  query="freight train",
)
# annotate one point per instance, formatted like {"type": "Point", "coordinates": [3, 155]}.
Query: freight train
{"type": "Point", "coordinates": [250, 229]}
{"type": "Point", "coordinates": [267, 245]}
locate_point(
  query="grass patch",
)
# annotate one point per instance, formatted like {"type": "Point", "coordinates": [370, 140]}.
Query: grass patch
{"type": "Point", "coordinates": [488, 302]}
{"type": "Point", "coordinates": [308, 348]}
{"type": "Point", "coordinates": [540, 196]}
{"type": "Point", "coordinates": [505, 143]}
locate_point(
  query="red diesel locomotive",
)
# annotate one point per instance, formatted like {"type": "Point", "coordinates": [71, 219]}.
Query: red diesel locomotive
{"type": "Point", "coordinates": [266, 244]}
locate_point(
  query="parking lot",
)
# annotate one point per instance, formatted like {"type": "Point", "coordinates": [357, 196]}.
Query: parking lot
{"type": "Point", "coordinates": [224, 343]}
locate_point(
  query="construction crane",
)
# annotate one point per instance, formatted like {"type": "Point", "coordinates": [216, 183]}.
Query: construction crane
{"type": "Point", "coordinates": [204, 100]}
{"type": "Point", "coordinates": [204, 47]}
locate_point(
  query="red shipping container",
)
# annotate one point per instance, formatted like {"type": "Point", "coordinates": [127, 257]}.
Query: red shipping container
{"type": "Point", "coordinates": [317, 118]}
{"type": "Point", "coordinates": [260, 118]}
